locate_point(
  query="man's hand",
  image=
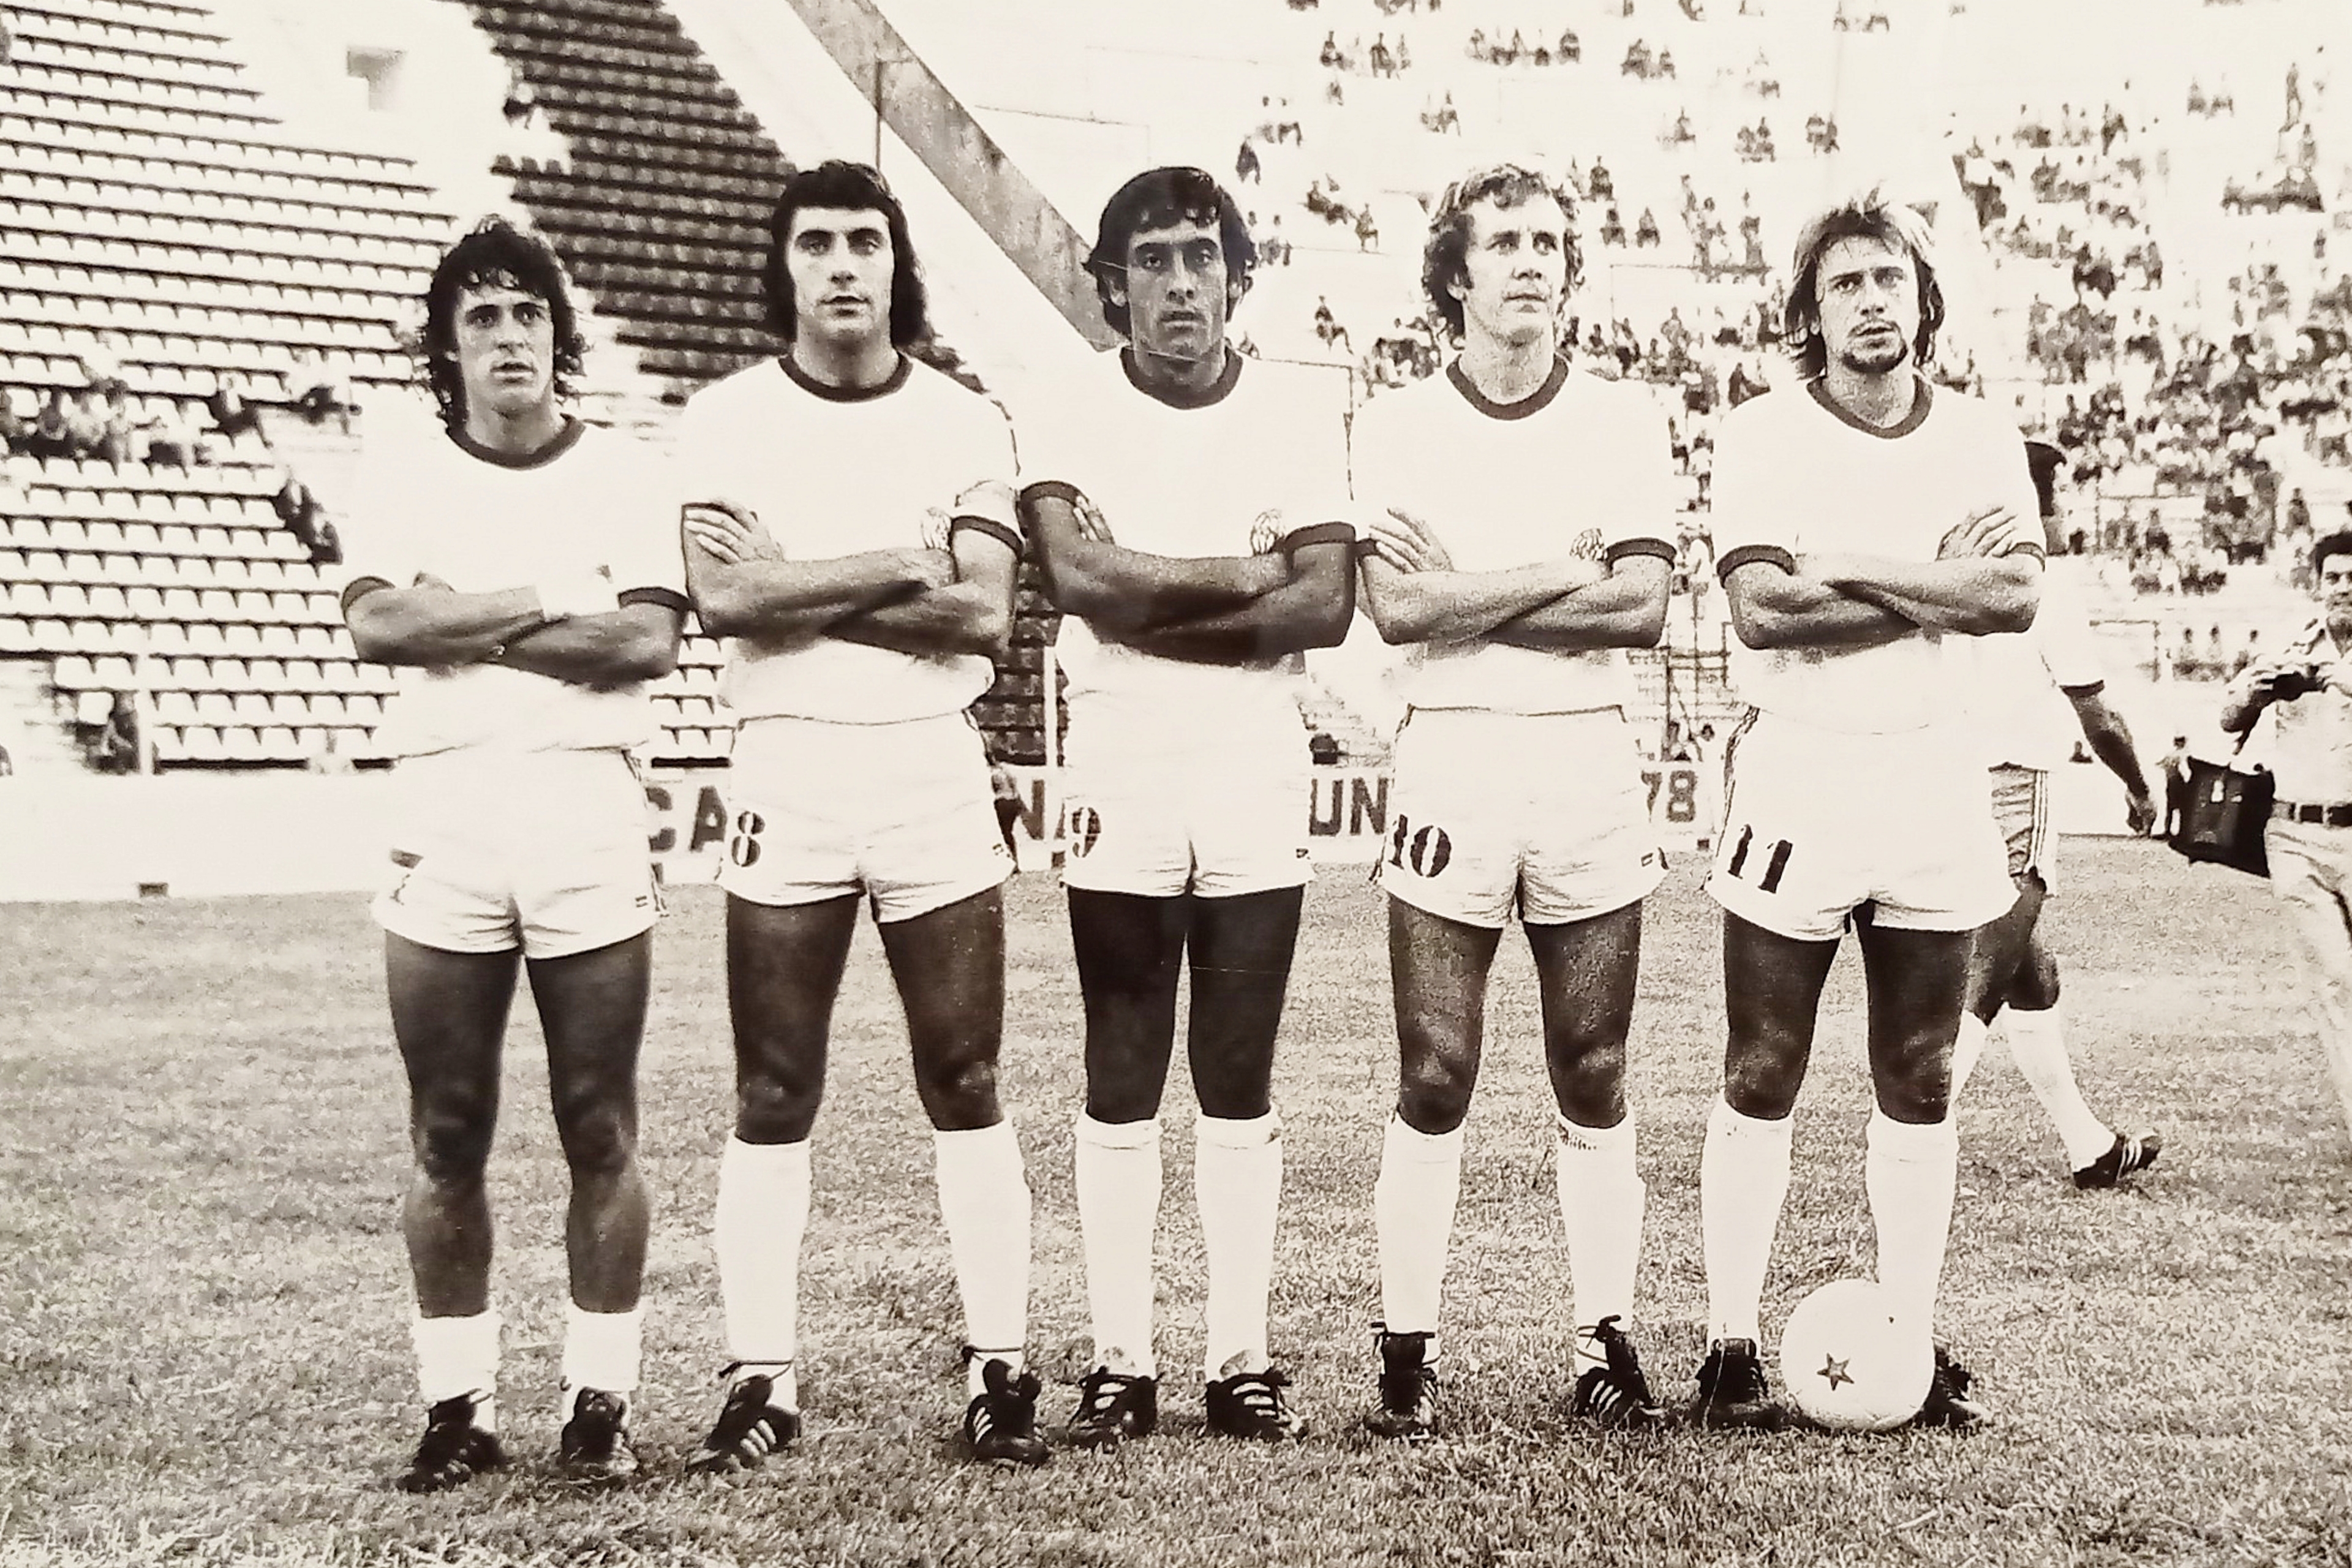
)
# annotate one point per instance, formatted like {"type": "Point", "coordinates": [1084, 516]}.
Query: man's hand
{"type": "Point", "coordinates": [1091, 526]}
{"type": "Point", "coordinates": [1992, 532]}
{"type": "Point", "coordinates": [730, 533]}
{"type": "Point", "coordinates": [2139, 810]}
{"type": "Point", "coordinates": [1406, 542]}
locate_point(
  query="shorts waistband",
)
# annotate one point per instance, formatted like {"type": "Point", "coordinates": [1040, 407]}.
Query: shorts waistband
{"type": "Point", "coordinates": [2336, 816]}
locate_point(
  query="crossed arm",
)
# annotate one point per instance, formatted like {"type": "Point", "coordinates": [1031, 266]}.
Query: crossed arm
{"type": "Point", "coordinates": [431, 624]}
{"type": "Point", "coordinates": [1214, 609]}
{"type": "Point", "coordinates": [1414, 593]}
{"type": "Point", "coordinates": [1985, 579]}
{"type": "Point", "coordinates": [923, 602]}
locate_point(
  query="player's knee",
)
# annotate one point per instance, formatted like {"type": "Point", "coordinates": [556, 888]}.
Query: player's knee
{"type": "Point", "coordinates": [598, 1140]}
{"type": "Point", "coordinates": [2035, 989]}
{"type": "Point", "coordinates": [1763, 1084]}
{"type": "Point", "coordinates": [771, 1109]}
{"type": "Point", "coordinates": [1433, 1095]}
{"type": "Point", "coordinates": [452, 1142]}
{"type": "Point", "coordinates": [959, 1095]}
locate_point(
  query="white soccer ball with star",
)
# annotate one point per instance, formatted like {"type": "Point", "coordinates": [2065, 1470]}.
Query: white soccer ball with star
{"type": "Point", "coordinates": [1848, 1365]}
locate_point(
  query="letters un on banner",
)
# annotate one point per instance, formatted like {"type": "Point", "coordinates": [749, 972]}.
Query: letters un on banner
{"type": "Point", "coordinates": [1347, 816]}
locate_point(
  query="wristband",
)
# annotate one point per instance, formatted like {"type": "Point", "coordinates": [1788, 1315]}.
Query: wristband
{"type": "Point", "coordinates": [576, 594]}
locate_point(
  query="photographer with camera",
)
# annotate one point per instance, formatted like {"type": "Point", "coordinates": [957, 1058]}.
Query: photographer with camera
{"type": "Point", "coordinates": [2307, 686]}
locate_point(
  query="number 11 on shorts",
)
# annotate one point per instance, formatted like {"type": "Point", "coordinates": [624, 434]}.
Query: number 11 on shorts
{"type": "Point", "coordinates": [1776, 859]}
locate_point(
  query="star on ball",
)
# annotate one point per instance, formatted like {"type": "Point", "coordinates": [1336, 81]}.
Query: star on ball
{"type": "Point", "coordinates": [1836, 1371]}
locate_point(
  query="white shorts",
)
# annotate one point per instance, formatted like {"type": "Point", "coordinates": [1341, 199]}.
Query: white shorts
{"type": "Point", "coordinates": [1221, 818]}
{"type": "Point", "coordinates": [903, 813]}
{"type": "Point", "coordinates": [1819, 823]}
{"type": "Point", "coordinates": [1544, 814]}
{"type": "Point", "coordinates": [543, 850]}
{"type": "Point", "coordinates": [2021, 806]}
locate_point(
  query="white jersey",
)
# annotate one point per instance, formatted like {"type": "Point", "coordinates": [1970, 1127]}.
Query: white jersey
{"type": "Point", "coordinates": [831, 473]}
{"type": "Point", "coordinates": [1795, 474]}
{"type": "Point", "coordinates": [2023, 679]}
{"type": "Point", "coordinates": [1577, 469]}
{"type": "Point", "coordinates": [432, 502]}
{"type": "Point", "coordinates": [1268, 443]}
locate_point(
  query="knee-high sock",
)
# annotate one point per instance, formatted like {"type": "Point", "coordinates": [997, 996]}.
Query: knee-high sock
{"type": "Point", "coordinates": [1237, 1181]}
{"type": "Point", "coordinates": [984, 1199]}
{"type": "Point", "coordinates": [601, 1350]}
{"type": "Point", "coordinates": [1118, 1205]}
{"type": "Point", "coordinates": [1910, 1170]}
{"type": "Point", "coordinates": [1967, 1051]}
{"type": "Point", "coordinates": [1413, 1209]}
{"type": "Point", "coordinates": [1743, 1176]}
{"type": "Point", "coordinates": [763, 1204]}
{"type": "Point", "coordinates": [2038, 1042]}
{"type": "Point", "coordinates": [1601, 1202]}
{"type": "Point", "coordinates": [459, 1355]}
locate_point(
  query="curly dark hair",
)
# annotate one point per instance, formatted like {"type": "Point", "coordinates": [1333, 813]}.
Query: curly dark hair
{"type": "Point", "coordinates": [495, 254]}
{"type": "Point", "coordinates": [848, 187]}
{"type": "Point", "coordinates": [1871, 215]}
{"type": "Point", "coordinates": [1157, 199]}
{"type": "Point", "coordinates": [1445, 258]}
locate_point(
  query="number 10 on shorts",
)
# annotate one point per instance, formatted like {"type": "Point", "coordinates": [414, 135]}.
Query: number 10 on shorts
{"type": "Point", "coordinates": [1774, 856]}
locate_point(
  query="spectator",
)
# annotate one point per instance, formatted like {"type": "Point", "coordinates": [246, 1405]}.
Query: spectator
{"type": "Point", "coordinates": [1245, 164]}
{"type": "Point", "coordinates": [117, 747]}
{"type": "Point", "coordinates": [2174, 766]}
{"type": "Point", "coordinates": [51, 435]}
{"type": "Point", "coordinates": [320, 389]}
{"type": "Point", "coordinates": [1368, 229]}
{"type": "Point", "coordinates": [232, 415]}
{"type": "Point", "coordinates": [1327, 327]}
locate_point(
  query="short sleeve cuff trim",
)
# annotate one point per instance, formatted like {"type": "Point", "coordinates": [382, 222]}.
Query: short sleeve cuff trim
{"type": "Point", "coordinates": [2093, 689]}
{"type": "Point", "coordinates": [1009, 538]}
{"type": "Point", "coordinates": [359, 588]}
{"type": "Point", "coordinates": [2026, 547]}
{"type": "Point", "coordinates": [1646, 545]}
{"type": "Point", "coordinates": [667, 598]}
{"type": "Point", "coordinates": [1298, 539]}
{"type": "Point", "coordinates": [1748, 554]}
{"type": "Point", "coordinates": [1050, 490]}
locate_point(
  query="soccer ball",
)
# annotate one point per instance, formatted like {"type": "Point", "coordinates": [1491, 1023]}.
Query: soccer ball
{"type": "Point", "coordinates": [1846, 1364]}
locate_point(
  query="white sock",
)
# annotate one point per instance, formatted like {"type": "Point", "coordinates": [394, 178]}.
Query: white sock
{"type": "Point", "coordinates": [2037, 1041]}
{"type": "Point", "coordinates": [1743, 1176]}
{"type": "Point", "coordinates": [1237, 1181]}
{"type": "Point", "coordinates": [763, 1204]}
{"type": "Point", "coordinates": [1601, 1202]}
{"type": "Point", "coordinates": [1910, 1170]}
{"type": "Point", "coordinates": [1119, 1206]}
{"type": "Point", "coordinates": [984, 1199]}
{"type": "Point", "coordinates": [1413, 1209]}
{"type": "Point", "coordinates": [601, 1350]}
{"type": "Point", "coordinates": [1967, 1051]}
{"type": "Point", "coordinates": [459, 1355]}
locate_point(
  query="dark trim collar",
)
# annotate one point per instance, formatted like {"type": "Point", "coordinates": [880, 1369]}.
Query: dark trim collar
{"type": "Point", "coordinates": [564, 441]}
{"type": "Point", "coordinates": [815, 388]}
{"type": "Point", "coordinates": [1921, 401]}
{"type": "Point", "coordinates": [1226, 381]}
{"type": "Point", "coordinates": [1535, 402]}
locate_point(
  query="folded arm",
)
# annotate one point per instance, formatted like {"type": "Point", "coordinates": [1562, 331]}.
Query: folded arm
{"type": "Point", "coordinates": [636, 642]}
{"type": "Point", "coordinates": [1116, 589]}
{"type": "Point", "coordinates": [743, 587]}
{"type": "Point", "coordinates": [1309, 608]}
{"type": "Point", "coordinates": [1772, 605]}
{"type": "Point", "coordinates": [972, 615]}
{"type": "Point", "coordinates": [1625, 609]}
{"type": "Point", "coordinates": [1973, 595]}
{"type": "Point", "coordinates": [1414, 593]}
{"type": "Point", "coordinates": [430, 623]}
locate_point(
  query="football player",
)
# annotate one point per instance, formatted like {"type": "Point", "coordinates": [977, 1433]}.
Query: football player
{"type": "Point", "coordinates": [520, 569]}
{"type": "Point", "coordinates": [1185, 503]}
{"type": "Point", "coordinates": [2030, 732]}
{"type": "Point", "coordinates": [1865, 518]}
{"type": "Point", "coordinates": [1519, 519]}
{"type": "Point", "coordinates": [850, 526]}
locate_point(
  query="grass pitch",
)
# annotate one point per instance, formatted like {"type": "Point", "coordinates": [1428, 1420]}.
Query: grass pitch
{"type": "Point", "coordinates": [203, 1301]}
